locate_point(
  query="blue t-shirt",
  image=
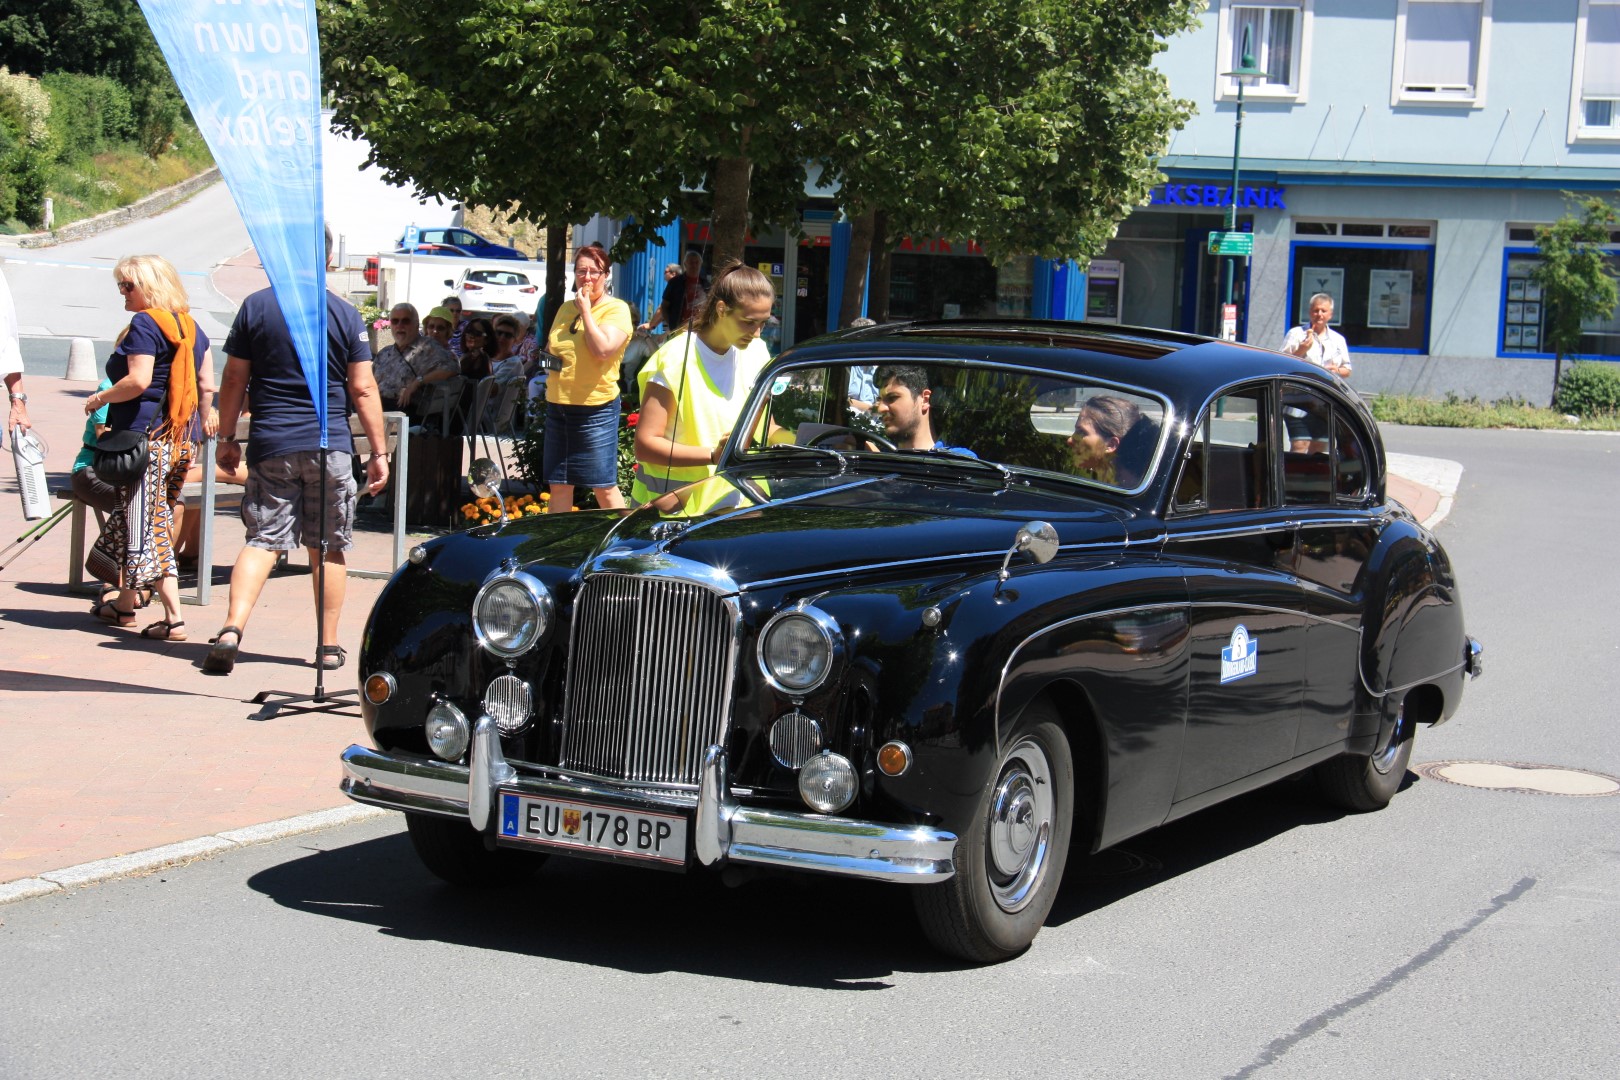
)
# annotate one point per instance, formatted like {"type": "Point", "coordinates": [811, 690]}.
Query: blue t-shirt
{"type": "Point", "coordinates": [145, 339]}
{"type": "Point", "coordinates": [283, 413]}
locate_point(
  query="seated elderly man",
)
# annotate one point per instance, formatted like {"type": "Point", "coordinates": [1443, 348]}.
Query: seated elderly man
{"type": "Point", "coordinates": [412, 361]}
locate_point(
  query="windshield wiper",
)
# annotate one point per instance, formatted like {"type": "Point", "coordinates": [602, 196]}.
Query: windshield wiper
{"type": "Point", "coordinates": [958, 456]}
{"type": "Point", "coordinates": [843, 462]}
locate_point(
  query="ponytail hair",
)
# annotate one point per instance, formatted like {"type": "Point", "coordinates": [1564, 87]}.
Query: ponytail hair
{"type": "Point", "coordinates": [735, 283]}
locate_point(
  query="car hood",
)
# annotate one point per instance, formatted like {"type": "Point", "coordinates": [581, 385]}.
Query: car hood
{"type": "Point", "coordinates": [748, 529]}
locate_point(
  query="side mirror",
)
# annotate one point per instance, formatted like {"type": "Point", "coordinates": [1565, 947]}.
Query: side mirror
{"type": "Point", "coordinates": [1038, 540]}
{"type": "Point", "coordinates": [484, 477]}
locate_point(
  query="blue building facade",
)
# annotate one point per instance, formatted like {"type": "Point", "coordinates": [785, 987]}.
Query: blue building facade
{"type": "Point", "coordinates": [1398, 155]}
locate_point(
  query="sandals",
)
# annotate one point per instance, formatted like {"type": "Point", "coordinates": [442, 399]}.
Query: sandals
{"type": "Point", "coordinates": [221, 656]}
{"type": "Point", "coordinates": [111, 614]}
{"type": "Point", "coordinates": [143, 596]}
{"type": "Point", "coordinates": [164, 630]}
{"type": "Point", "coordinates": [331, 657]}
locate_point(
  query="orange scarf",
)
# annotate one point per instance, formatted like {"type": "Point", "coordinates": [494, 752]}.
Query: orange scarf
{"type": "Point", "coordinates": [180, 400]}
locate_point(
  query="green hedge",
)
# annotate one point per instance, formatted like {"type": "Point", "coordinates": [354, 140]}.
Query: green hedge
{"type": "Point", "coordinates": [1589, 388]}
{"type": "Point", "coordinates": [89, 114]}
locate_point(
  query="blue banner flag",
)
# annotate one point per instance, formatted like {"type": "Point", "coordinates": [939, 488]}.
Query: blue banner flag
{"type": "Point", "coordinates": [250, 70]}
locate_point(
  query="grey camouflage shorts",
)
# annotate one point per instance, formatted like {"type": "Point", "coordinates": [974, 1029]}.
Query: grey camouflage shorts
{"type": "Point", "coordinates": [281, 504]}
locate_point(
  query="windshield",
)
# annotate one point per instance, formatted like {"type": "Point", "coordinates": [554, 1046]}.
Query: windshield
{"type": "Point", "coordinates": [1052, 423]}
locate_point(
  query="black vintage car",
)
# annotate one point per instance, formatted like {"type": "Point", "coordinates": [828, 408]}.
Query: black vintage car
{"type": "Point", "coordinates": [1117, 576]}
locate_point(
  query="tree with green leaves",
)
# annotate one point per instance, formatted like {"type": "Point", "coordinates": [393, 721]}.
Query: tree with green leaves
{"type": "Point", "coordinates": [1576, 276]}
{"type": "Point", "coordinates": [1026, 124]}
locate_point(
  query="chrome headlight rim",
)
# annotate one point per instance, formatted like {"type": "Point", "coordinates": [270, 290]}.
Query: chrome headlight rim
{"type": "Point", "coordinates": [538, 594]}
{"type": "Point", "coordinates": [447, 713]}
{"type": "Point", "coordinates": [831, 635]}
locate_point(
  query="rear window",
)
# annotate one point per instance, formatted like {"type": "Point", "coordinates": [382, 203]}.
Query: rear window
{"type": "Point", "coordinates": [498, 277]}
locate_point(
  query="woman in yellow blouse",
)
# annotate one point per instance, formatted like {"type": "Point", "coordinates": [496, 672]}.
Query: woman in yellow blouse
{"type": "Point", "coordinates": [582, 400]}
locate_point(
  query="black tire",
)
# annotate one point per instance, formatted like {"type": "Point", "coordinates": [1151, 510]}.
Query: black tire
{"type": "Point", "coordinates": [456, 853]}
{"type": "Point", "coordinates": [1366, 782]}
{"type": "Point", "coordinates": [1008, 866]}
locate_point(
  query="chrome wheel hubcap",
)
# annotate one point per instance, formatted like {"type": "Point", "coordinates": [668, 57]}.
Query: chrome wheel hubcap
{"type": "Point", "coordinates": [1020, 830]}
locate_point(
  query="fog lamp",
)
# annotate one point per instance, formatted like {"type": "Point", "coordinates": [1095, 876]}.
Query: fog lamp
{"type": "Point", "coordinates": [447, 731]}
{"type": "Point", "coordinates": [894, 758]}
{"type": "Point", "coordinates": [827, 782]}
{"type": "Point", "coordinates": [509, 701]}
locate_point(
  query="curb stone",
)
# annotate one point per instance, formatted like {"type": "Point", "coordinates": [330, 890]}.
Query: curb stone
{"type": "Point", "coordinates": [139, 862]}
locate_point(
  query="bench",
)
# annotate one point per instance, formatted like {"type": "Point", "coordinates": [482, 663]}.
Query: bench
{"type": "Point", "coordinates": [209, 494]}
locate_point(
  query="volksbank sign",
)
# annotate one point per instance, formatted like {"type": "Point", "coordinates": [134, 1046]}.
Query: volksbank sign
{"type": "Point", "coordinates": [1260, 196]}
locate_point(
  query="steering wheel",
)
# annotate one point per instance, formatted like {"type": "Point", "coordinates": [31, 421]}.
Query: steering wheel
{"type": "Point", "coordinates": [859, 436]}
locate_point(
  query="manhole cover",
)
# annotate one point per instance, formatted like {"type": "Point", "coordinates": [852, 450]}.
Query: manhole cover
{"type": "Point", "coordinates": [1520, 778]}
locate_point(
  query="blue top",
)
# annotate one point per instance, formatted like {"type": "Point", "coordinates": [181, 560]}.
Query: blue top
{"type": "Point", "coordinates": [145, 339]}
{"type": "Point", "coordinates": [87, 453]}
{"type": "Point", "coordinates": [283, 413]}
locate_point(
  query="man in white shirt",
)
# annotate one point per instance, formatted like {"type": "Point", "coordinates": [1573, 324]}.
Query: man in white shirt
{"type": "Point", "coordinates": [1319, 343]}
{"type": "Point", "coordinates": [11, 364]}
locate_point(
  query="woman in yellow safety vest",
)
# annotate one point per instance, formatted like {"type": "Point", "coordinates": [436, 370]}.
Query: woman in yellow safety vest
{"type": "Point", "coordinates": [694, 387]}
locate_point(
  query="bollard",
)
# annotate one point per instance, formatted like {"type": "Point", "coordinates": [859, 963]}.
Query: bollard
{"type": "Point", "coordinates": [82, 361]}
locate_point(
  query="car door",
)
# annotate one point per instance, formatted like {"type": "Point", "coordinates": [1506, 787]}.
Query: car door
{"type": "Point", "coordinates": [1327, 484]}
{"type": "Point", "coordinates": [1247, 627]}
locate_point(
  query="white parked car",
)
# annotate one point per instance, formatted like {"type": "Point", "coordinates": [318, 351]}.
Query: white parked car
{"type": "Point", "coordinates": [498, 291]}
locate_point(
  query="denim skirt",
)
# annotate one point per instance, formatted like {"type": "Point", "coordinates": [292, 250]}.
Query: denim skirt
{"type": "Point", "coordinates": [582, 444]}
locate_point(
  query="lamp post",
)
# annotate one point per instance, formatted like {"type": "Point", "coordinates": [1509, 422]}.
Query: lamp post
{"type": "Point", "coordinates": [1245, 74]}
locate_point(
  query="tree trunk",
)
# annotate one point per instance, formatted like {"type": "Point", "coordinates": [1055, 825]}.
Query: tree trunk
{"type": "Point", "coordinates": [878, 307]}
{"type": "Point", "coordinates": [729, 220]}
{"type": "Point", "coordinates": [860, 249]}
{"type": "Point", "coordinates": [556, 276]}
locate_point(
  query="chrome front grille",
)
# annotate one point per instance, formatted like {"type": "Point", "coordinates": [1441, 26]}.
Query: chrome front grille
{"type": "Point", "coordinates": [649, 678]}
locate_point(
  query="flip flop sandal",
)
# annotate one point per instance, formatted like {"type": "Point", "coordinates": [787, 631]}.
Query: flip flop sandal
{"type": "Point", "coordinates": [331, 657]}
{"type": "Point", "coordinates": [108, 612]}
{"type": "Point", "coordinates": [221, 657]}
{"type": "Point", "coordinates": [164, 630]}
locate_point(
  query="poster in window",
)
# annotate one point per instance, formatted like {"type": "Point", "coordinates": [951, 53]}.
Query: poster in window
{"type": "Point", "coordinates": [1389, 299]}
{"type": "Point", "coordinates": [1532, 290]}
{"type": "Point", "coordinates": [1321, 279]}
{"type": "Point", "coordinates": [1532, 337]}
{"type": "Point", "coordinates": [1515, 312]}
{"type": "Point", "coordinates": [1532, 314]}
{"type": "Point", "coordinates": [1516, 289]}
{"type": "Point", "coordinates": [1512, 335]}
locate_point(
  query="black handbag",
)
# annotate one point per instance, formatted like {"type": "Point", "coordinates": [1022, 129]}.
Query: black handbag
{"type": "Point", "coordinates": [121, 457]}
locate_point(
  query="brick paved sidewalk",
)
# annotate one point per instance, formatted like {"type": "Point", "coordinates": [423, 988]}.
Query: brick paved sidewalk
{"type": "Point", "coordinates": [114, 744]}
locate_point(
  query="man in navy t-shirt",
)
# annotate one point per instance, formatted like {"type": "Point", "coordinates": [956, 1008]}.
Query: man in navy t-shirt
{"type": "Point", "coordinates": [281, 505]}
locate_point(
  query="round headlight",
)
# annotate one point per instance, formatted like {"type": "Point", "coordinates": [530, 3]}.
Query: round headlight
{"type": "Point", "coordinates": [827, 782]}
{"type": "Point", "coordinates": [797, 648]}
{"type": "Point", "coordinates": [447, 731]}
{"type": "Point", "coordinates": [511, 613]}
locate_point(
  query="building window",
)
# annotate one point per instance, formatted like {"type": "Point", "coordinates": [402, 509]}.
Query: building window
{"type": "Point", "coordinates": [1380, 287]}
{"type": "Point", "coordinates": [1595, 103]}
{"type": "Point", "coordinates": [1440, 50]}
{"type": "Point", "coordinates": [1525, 314]}
{"type": "Point", "coordinates": [1278, 34]}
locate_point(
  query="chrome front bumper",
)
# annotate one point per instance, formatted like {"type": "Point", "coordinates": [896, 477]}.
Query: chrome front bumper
{"type": "Point", "coordinates": [723, 831]}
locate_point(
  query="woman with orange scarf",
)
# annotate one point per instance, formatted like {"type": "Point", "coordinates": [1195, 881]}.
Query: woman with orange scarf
{"type": "Point", "coordinates": [162, 382]}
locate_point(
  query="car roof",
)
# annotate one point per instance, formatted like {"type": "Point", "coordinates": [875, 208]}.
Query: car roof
{"type": "Point", "coordinates": [1185, 368]}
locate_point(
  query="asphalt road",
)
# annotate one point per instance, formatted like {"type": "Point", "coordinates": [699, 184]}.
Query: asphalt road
{"type": "Point", "coordinates": [1462, 932]}
{"type": "Point", "coordinates": [66, 291]}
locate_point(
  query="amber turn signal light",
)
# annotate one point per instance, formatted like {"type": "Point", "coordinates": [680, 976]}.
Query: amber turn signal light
{"type": "Point", "coordinates": [894, 758]}
{"type": "Point", "coordinates": [379, 687]}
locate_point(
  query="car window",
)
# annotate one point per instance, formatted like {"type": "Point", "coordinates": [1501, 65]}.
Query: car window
{"type": "Point", "coordinates": [1324, 460]}
{"type": "Point", "coordinates": [1102, 434]}
{"type": "Point", "coordinates": [498, 277]}
{"type": "Point", "coordinates": [461, 237]}
{"type": "Point", "coordinates": [1227, 464]}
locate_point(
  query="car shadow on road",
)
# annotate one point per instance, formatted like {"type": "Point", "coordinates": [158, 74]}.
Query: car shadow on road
{"type": "Point", "coordinates": [796, 930]}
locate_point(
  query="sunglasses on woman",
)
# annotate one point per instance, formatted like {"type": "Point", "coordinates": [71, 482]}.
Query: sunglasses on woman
{"type": "Point", "coordinates": [126, 287]}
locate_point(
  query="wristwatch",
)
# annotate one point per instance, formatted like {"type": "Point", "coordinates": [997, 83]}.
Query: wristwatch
{"type": "Point", "coordinates": [20, 397]}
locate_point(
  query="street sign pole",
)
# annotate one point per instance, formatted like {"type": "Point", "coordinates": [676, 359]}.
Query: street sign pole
{"type": "Point", "coordinates": [1243, 74]}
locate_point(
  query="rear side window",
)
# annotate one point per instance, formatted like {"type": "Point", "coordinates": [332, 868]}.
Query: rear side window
{"type": "Point", "coordinates": [1324, 458]}
{"type": "Point", "coordinates": [1227, 465]}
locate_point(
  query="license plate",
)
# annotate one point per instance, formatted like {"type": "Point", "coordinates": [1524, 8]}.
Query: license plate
{"type": "Point", "coordinates": [581, 826]}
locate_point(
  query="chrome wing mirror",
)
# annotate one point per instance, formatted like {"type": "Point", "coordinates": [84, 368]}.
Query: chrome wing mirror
{"type": "Point", "coordinates": [484, 478]}
{"type": "Point", "coordinates": [1038, 540]}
